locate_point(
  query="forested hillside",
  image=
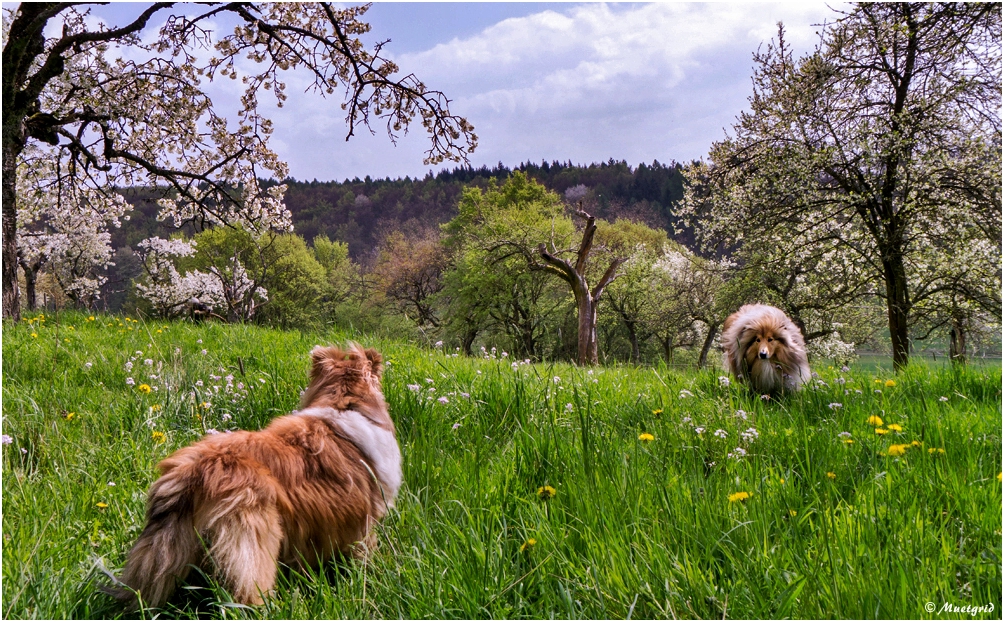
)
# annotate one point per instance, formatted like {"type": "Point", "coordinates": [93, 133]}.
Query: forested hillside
{"type": "Point", "coordinates": [360, 212]}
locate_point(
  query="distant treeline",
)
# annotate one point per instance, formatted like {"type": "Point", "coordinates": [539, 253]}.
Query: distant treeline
{"type": "Point", "coordinates": [360, 212]}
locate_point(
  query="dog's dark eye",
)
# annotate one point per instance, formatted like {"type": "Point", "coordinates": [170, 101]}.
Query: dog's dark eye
{"type": "Point", "coordinates": [770, 339]}
{"type": "Point", "coordinates": [758, 340]}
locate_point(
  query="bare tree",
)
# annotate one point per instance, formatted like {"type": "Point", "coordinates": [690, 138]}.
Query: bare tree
{"type": "Point", "coordinates": [586, 298]}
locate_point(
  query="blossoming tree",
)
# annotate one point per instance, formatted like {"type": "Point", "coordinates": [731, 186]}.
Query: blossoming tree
{"type": "Point", "coordinates": [117, 107]}
{"type": "Point", "coordinates": [861, 153]}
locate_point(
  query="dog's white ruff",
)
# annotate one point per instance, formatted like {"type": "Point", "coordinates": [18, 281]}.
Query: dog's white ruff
{"type": "Point", "coordinates": [377, 444]}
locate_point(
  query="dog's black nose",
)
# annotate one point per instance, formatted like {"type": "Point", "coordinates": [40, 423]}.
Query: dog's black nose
{"type": "Point", "coordinates": [763, 355]}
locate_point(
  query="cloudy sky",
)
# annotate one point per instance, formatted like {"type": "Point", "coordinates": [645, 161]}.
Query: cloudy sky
{"type": "Point", "coordinates": [556, 81]}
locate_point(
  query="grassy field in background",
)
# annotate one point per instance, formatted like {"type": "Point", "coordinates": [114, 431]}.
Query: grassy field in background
{"type": "Point", "coordinates": [835, 524]}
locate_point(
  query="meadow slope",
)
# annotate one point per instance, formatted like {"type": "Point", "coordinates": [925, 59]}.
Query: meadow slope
{"type": "Point", "coordinates": [646, 465]}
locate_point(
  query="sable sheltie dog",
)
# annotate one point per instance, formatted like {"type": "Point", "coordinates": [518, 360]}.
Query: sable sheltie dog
{"type": "Point", "coordinates": [764, 347]}
{"type": "Point", "coordinates": [308, 487]}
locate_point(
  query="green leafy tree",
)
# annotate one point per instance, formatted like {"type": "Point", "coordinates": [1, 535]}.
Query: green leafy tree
{"type": "Point", "coordinates": [342, 274]}
{"type": "Point", "coordinates": [494, 283]}
{"type": "Point", "coordinates": [630, 297]}
{"type": "Point", "coordinates": [272, 278]}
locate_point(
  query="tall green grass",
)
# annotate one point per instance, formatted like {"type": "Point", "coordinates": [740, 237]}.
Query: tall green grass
{"type": "Point", "coordinates": [636, 528]}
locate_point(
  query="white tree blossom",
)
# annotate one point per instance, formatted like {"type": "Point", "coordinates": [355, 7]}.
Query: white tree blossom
{"type": "Point", "coordinates": [123, 105]}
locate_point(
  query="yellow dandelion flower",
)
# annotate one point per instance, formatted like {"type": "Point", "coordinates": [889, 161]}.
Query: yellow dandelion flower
{"type": "Point", "coordinates": [898, 450]}
{"type": "Point", "coordinates": [102, 504]}
{"type": "Point", "coordinates": [739, 496]}
{"type": "Point", "coordinates": [646, 437]}
{"type": "Point", "coordinates": [792, 513]}
{"type": "Point", "coordinates": [874, 420]}
{"type": "Point", "coordinates": [144, 388]}
{"type": "Point", "coordinates": [155, 407]}
{"type": "Point", "coordinates": [877, 381]}
{"type": "Point", "coordinates": [90, 318]}
{"type": "Point", "coordinates": [657, 411]}
{"type": "Point", "coordinates": [831, 475]}
{"type": "Point", "coordinates": [526, 546]}
{"type": "Point", "coordinates": [69, 416]}
{"type": "Point", "coordinates": [164, 326]}
{"type": "Point", "coordinates": [34, 335]}
{"type": "Point", "coordinates": [848, 441]}
{"type": "Point", "coordinates": [890, 383]}
{"type": "Point", "coordinates": [881, 431]}
{"type": "Point", "coordinates": [999, 476]}
{"type": "Point", "coordinates": [546, 492]}
{"type": "Point", "coordinates": [158, 436]}
{"type": "Point", "coordinates": [204, 405]}
{"type": "Point", "coordinates": [782, 480]}
{"type": "Point", "coordinates": [159, 331]}
{"type": "Point", "coordinates": [895, 427]}
{"type": "Point", "coordinates": [66, 340]}
{"type": "Point", "coordinates": [933, 450]}
{"type": "Point", "coordinates": [916, 444]}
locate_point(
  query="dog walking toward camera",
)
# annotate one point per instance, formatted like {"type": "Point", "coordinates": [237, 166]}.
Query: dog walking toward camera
{"type": "Point", "coordinates": [307, 488]}
{"type": "Point", "coordinates": [763, 347]}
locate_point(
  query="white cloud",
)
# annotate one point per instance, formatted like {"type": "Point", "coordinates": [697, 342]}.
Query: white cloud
{"type": "Point", "coordinates": [638, 82]}
{"type": "Point", "coordinates": [586, 83]}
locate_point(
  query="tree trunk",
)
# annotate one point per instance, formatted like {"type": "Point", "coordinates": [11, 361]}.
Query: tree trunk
{"type": "Point", "coordinates": [11, 292]}
{"type": "Point", "coordinates": [587, 351]}
{"type": "Point", "coordinates": [633, 337]}
{"type": "Point", "coordinates": [957, 343]}
{"type": "Point", "coordinates": [468, 341]}
{"type": "Point", "coordinates": [667, 348]}
{"type": "Point", "coordinates": [30, 280]}
{"type": "Point", "coordinates": [898, 304]}
{"type": "Point", "coordinates": [712, 331]}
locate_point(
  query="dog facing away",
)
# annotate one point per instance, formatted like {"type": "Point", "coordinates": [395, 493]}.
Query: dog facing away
{"type": "Point", "coordinates": [765, 348]}
{"type": "Point", "coordinates": [307, 488]}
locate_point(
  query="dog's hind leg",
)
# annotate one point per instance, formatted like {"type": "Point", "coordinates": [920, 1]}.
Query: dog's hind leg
{"type": "Point", "coordinates": [245, 547]}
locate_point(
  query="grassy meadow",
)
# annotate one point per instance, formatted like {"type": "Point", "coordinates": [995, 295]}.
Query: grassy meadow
{"type": "Point", "coordinates": [674, 496]}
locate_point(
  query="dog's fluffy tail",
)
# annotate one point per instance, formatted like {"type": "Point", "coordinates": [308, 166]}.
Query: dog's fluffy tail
{"type": "Point", "coordinates": [169, 544]}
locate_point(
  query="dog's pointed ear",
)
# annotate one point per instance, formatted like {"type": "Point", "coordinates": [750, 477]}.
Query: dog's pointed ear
{"type": "Point", "coordinates": [320, 359]}
{"type": "Point", "coordinates": [376, 361]}
{"type": "Point", "coordinates": [318, 354]}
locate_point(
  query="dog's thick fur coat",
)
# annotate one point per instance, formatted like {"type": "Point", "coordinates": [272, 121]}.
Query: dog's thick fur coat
{"type": "Point", "coordinates": [308, 487]}
{"type": "Point", "coordinates": [764, 347]}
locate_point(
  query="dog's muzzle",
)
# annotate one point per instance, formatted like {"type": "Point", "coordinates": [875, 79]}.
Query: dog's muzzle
{"type": "Point", "coordinates": [763, 354]}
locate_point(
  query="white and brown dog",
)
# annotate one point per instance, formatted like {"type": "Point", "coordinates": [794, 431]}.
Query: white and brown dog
{"type": "Point", "coordinates": [308, 487]}
{"type": "Point", "coordinates": [764, 347]}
